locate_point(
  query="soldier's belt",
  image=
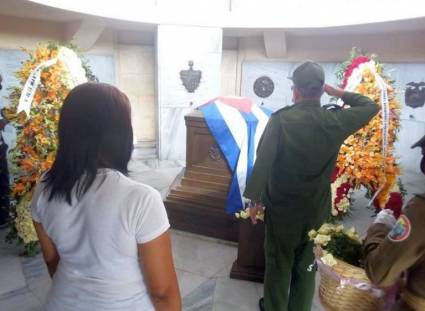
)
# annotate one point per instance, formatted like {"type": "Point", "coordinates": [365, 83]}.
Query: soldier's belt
{"type": "Point", "coordinates": [414, 301]}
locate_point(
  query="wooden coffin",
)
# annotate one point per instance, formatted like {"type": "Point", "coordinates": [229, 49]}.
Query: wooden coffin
{"type": "Point", "coordinates": [197, 198]}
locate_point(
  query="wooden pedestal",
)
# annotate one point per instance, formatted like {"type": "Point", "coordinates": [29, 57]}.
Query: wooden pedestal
{"type": "Point", "coordinates": [250, 263]}
{"type": "Point", "coordinates": [197, 198]}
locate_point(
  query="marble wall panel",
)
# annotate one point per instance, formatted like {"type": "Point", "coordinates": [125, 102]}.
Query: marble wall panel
{"type": "Point", "coordinates": [413, 120]}
{"type": "Point", "coordinates": [176, 46]}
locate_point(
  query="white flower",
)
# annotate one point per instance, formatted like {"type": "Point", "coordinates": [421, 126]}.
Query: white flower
{"type": "Point", "coordinates": [23, 221]}
{"type": "Point", "coordinates": [245, 214]}
{"type": "Point", "coordinates": [325, 229]}
{"type": "Point", "coordinates": [339, 228]}
{"type": "Point", "coordinates": [75, 73]}
{"type": "Point", "coordinates": [352, 233]}
{"type": "Point", "coordinates": [260, 216]}
{"type": "Point", "coordinates": [329, 260]}
{"type": "Point", "coordinates": [312, 234]}
{"type": "Point", "coordinates": [322, 239]}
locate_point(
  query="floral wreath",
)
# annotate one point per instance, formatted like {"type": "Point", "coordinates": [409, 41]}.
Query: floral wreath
{"type": "Point", "coordinates": [45, 79]}
{"type": "Point", "coordinates": [366, 158]}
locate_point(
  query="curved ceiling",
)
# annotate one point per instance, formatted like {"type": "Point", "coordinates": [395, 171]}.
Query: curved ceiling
{"type": "Point", "coordinates": [248, 13]}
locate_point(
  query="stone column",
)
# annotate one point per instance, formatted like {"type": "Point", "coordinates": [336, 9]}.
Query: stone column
{"type": "Point", "coordinates": [176, 46]}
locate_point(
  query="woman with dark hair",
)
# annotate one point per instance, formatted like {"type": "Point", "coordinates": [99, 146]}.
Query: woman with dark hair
{"type": "Point", "coordinates": [104, 237]}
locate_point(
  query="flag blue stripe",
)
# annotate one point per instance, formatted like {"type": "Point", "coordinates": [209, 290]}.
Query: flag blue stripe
{"type": "Point", "coordinates": [223, 136]}
{"type": "Point", "coordinates": [230, 148]}
{"type": "Point", "coordinates": [252, 123]}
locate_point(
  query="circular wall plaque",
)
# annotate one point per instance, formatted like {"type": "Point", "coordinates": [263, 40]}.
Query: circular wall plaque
{"type": "Point", "coordinates": [263, 87]}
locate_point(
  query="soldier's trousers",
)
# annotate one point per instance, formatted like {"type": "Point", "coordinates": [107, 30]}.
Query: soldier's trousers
{"type": "Point", "coordinates": [289, 279]}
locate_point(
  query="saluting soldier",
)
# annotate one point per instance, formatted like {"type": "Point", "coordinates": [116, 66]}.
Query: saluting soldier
{"type": "Point", "coordinates": [291, 179]}
{"type": "Point", "coordinates": [393, 248]}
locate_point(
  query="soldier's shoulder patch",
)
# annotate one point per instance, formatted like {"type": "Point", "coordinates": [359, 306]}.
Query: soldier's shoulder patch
{"type": "Point", "coordinates": [401, 230]}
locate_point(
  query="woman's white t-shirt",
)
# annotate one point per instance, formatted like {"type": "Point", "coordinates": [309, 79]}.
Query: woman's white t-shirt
{"type": "Point", "coordinates": [97, 239]}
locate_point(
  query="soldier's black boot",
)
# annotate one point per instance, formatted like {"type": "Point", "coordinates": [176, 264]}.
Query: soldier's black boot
{"type": "Point", "coordinates": [261, 304]}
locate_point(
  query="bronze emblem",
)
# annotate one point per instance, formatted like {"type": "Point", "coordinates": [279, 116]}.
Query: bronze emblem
{"type": "Point", "coordinates": [263, 87]}
{"type": "Point", "coordinates": [214, 153]}
{"type": "Point", "coordinates": [415, 94]}
{"type": "Point", "coordinates": [191, 78]}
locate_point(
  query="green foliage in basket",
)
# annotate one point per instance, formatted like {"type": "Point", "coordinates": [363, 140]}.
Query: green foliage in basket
{"type": "Point", "coordinates": [338, 242]}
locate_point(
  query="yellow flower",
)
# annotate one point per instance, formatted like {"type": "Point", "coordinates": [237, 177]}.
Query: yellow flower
{"type": "Point", "coordinates": [312, 234]}
{"type": "Point", "coordinates": [352, 233]}
{"type": "Point", "coordinates": [36, 141]}
{"type": "Point", "coordinates": [329, 260]}
{"type": "Point", "coordinates": [361, 157]}
{"type": "Point", "coordinates": [326, 229]}
{"type": "Point", "coordinates": [322, 239]}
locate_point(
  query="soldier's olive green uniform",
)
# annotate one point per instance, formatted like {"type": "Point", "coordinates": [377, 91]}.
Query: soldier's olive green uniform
{"type": "Point", "coordinates": [390, 252]}
{"type": "Point", "coordinates": [295, 159]}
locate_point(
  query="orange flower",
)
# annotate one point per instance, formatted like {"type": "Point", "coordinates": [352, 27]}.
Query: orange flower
{"type": "Point", "coordinates": [19, 188]}
{"type": "Point", "coordinates": [361, 154]}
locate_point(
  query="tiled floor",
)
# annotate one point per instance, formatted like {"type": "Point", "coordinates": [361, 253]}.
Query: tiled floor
{"type": "Point", "coordinates": [203, 264]}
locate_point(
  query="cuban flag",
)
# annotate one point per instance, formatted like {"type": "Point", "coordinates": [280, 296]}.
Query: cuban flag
{"type": "Point", "coordinates": [237, 125]}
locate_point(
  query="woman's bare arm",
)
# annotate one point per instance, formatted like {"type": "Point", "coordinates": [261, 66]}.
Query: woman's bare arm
{"type": "Point", "coordinates": [50, 253]}
{"type": "Point", "coordinates": [158, 268]}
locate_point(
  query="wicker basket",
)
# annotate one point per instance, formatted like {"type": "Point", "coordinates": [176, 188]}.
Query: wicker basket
{"type": "Point", "coordinates": [335, 297]}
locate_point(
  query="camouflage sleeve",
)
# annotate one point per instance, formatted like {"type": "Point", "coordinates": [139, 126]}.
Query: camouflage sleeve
{"type": "Point", "coordinates": [390, 252]}
{"type": "Point", "coordinates": [266, 155]}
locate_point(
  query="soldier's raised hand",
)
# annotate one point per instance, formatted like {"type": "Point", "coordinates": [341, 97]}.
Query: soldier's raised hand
{"type": "Point", "coordinates": [332, 91]}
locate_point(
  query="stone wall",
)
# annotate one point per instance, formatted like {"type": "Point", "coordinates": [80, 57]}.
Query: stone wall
{"type": "Point", "coordinates": [136, 78]}
{"type": "Point", "coordinates": [129, 66]}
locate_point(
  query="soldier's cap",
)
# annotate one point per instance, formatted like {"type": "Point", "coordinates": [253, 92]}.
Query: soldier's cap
{"type": "Point", "coordinates": [419, 143]}
{"type": "Point", "coordinates": [308, 76]}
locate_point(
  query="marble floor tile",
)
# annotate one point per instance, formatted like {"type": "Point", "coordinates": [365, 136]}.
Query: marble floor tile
{"type": "Point", "coordinates": [235, 295]}
{"type": "Point", "coordinates": [137, 166]}
{"type": "Point", "coordinates": [19, 300]}
{"type": "Point", "coordinates": [37, 276]}
{"type": "Point", "coordinates": [12, 277]}
{"type": "Point", "coordinates": [201, 299]}
{"type": "Point", "coordinates": [225, 272]}
{"type": "Point", "coordinates": [260, 289]}
{"type": "Point", "coordinates": [159, 179]}
{"type": "Point", "coordinates": [188, 282]}
{"type": "Point", "coordinates": [200, 256]}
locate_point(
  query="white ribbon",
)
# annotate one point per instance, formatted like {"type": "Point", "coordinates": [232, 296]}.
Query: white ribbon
{"type": "Point", "coordinates": [385, 112]}
{"type": "Point", "coordinates": [31, 85]}
{"type": "Point", "coordinates": [343, 282]}
{"type": "Point", "coordinates": [74, 75]}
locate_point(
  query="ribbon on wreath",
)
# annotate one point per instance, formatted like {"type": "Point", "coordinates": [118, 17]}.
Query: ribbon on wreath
{"type": "Point", "coordinates": [74, 70]}
{"type": "Point", "coordinates": [352, 84]}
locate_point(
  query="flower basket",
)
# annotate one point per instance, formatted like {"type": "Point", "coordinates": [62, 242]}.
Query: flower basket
{"type": "Point", "coordinates": [344, 287]}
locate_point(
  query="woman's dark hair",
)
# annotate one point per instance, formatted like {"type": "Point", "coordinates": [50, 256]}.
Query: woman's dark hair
{"type": "Point", "coordinates": [94, 132]}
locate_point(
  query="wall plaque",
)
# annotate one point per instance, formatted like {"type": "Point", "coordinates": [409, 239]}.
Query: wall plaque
{"type": "Point", "coordinates": [191, 78]}
{"type": "Point", "coordinates": [415, 94]}
{"type": "Point", "coordinates": [263, 87]}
